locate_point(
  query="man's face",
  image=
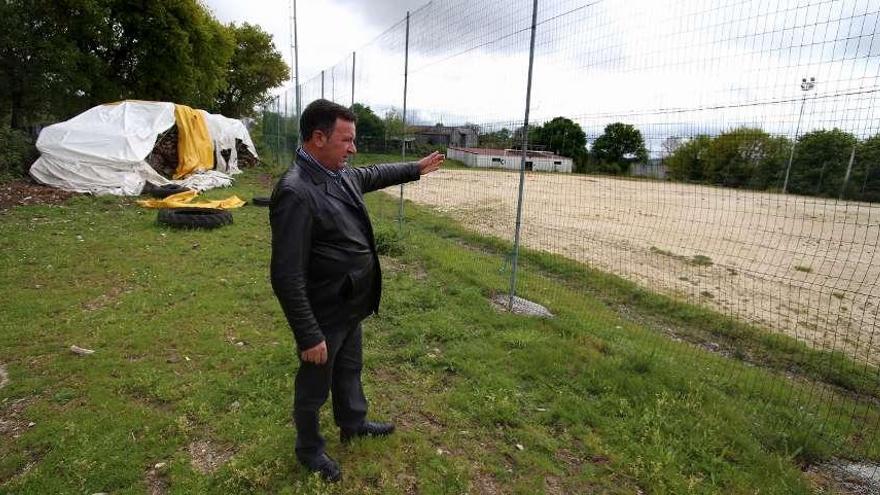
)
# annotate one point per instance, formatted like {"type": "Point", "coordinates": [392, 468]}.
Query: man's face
{"type": "Point", "coordinates": [338, 146]}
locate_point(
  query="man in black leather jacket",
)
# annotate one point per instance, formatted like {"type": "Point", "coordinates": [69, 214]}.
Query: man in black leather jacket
{"type": "Point", "coordinates": [325, 273]}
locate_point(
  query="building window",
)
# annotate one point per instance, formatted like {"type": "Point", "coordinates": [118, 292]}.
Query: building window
{"type": "Point", "coordinates": [495, 159]}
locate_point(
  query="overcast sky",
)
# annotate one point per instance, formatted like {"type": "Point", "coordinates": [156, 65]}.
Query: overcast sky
{"type": "Point", "coordinates": [327, 30]}
{"type": "Point", "coordinates": [670, 67]}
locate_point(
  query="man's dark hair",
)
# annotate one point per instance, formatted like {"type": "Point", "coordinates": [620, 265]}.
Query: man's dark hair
{"type": "Point", "coordinates": [321, 115]}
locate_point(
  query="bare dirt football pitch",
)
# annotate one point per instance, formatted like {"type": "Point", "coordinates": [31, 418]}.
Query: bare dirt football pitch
{"type": "Point", "coordinates": [804, 266]}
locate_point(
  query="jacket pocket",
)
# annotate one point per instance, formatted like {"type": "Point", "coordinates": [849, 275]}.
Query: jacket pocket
{"type": "Point", "coordinates": [356, 283]}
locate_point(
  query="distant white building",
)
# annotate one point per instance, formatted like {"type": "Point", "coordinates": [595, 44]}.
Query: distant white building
{"type": "Point", "coordinates": [542, 161]}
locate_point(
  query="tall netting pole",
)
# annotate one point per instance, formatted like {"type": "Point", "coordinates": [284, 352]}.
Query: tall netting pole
{"type": "Point", "coordinates": [278, 129]}
{"type": "Point", "coordinates": [353, 60]}
{"type": "Point", "coordinates": [403, 140]}
{"type": "Point", "coordinates": [296, 86]}
{"type": "Point", "coordinates": [522, 165]}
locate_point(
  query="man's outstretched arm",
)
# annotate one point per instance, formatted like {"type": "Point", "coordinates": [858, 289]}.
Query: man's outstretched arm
{"type": "Point", "coordinates": [381, 176]}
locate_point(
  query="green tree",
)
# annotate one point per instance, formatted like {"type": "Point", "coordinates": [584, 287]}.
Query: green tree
{"type": "Point", "coordinates": [167, 50]}
{"type": "Point", "coordinates": [39, 63]}
{"type": "Point", "coordinates": [517, 136]}
{"type": "Point", "coordinates": [688, 161]}
{"type": "Point", "coordinates": [255, 67]}
{"type": "Point", "coordinates": [394, 124]}
{"type": "Point", "coordinates": [621, 145]}
{"type": "Point", "coordinates": [563, 137]}
{"type": "Point", "coordinates": [744, 157]}
{"type": "Point", "coordinates": [820, 162]}
{"type": "Point", "coordinates": [59, 58]}
{"type": "Point", "coordinates": [500, 139]}
{"type": "Point", "coordinates": [370, 128]}
{"type": "Point", "coordinates": [865, 181]}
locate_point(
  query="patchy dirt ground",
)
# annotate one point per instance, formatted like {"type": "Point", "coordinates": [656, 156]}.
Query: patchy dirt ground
{"type": "Point", "coordinates": [13, 420]}
{"type": "Point", "coordinates": [845, 478]}
{"type": "Point", "coordinates": [804, 266]}
{"type": "Point", "coordinates": [25, 192]}
{"type": "Point", "coordinates": [206, 456]}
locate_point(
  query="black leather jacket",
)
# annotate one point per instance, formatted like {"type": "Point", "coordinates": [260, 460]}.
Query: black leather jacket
{"type": "Point", "coordinates": [325, 270]}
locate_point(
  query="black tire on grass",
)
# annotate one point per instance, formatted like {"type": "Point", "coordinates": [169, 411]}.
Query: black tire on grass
{"type": "Point", "coordinates": [261, 201]}
{"type": "Point", "coordinates": [163, 192]}
{"type": "Point", "coordinates": [195, 218]}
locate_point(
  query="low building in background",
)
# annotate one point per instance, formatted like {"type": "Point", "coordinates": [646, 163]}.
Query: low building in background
{"type": "Point", "coordinates": [540, 161]}
{"type": "Point", "coordinates": [444, 135]}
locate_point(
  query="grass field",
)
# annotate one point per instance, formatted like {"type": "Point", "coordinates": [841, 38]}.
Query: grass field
{"type": "Point", "coordinates": [190, 385]}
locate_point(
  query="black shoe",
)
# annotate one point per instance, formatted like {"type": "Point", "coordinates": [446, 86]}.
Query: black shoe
{"type": "Point", "coordinates": [368, 429]}
{"type": "Point", "coordinates": [325, 466]}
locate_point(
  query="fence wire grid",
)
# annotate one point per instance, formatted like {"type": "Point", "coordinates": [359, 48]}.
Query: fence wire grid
{"type": "Point", "coordinates": [725, 153]}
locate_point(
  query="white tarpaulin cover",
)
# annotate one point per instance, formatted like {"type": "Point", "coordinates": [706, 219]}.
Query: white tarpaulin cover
{"type": "Point", "coordinates": [224, 131]}
{"type": "Point", "coordinates": [103, 150]}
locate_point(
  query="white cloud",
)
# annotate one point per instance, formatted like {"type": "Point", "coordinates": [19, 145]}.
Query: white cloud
{"type": "Point", "coordinates": [669, 67]}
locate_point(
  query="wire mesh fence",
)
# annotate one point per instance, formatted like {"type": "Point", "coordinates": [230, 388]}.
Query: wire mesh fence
{"type": "Point", "coordinates": [721, 153]}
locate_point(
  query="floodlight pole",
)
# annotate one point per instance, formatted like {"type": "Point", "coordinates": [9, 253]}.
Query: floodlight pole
{"type": "Point", "coordinates": [403, 138]}
{"type": "Point", "coordinates": [805, 86]}
{"type": "Point", "coordinates": [296, 74]}
{"type": "Point", "coordinates": [522, 165]}
{"type": "Point", "coordinates": [353, 67]}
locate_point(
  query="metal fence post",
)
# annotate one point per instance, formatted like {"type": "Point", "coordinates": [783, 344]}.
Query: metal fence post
{"type": "Point", "coordinates": [283, 130]}
{"type": "Point", "coordinates": [322, 85]}
{"type": "Point", "coordinates": [353, 60]}
{"type": "Point", "coordinates": [403, 137]}
{"type": "Point", "coordinates": [296, 75]}
{"type": "Point", "coordinates": [277, 129]}
{"type": "Point", "coordinates": [522, 165]}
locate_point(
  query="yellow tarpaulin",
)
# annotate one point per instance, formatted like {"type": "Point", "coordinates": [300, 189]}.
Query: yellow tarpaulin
{"type": "Point", "coordinates": [195, 150]}
{"type": "Point", "coordinates": [185, 200]}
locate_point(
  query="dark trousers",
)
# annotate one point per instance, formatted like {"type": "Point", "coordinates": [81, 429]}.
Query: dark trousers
{"type": "Point", "coordinates": [341, 374]}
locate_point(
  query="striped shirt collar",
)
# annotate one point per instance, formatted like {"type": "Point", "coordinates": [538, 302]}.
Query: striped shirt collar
{"type": "Point", "coordinates": [309, 158]}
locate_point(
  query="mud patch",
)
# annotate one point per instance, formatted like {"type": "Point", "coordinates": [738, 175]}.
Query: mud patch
{"type": "Point", "coordinates": [157, 481]}
{"type": "Point", "coordinates": [34, 457]}
{"type": "Point", "coordinates": [111, 297]}
{"type": "Point", "coordinates": [206, 456]}
{"type": "Point", "coordinates": [553, 485]}
{"type": "Point", "coordinates": [392, 265]}
{"type": "Point", "coordinates": [569, 459]}
{"type": "Point", "coordinates": [23, 193]}
{"type": "Point", "coordinates": [408, 483]}
{"type": "Point", "coordinates": [484, 483]}
{"type": "Point", "coordinates": [846, 478]}
{"type": "Point", "coordinates": [4, 376]}
{"type": "Point", "coordinates": [12, 421]}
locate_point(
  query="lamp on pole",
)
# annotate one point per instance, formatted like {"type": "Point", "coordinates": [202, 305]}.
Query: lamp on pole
{"type": "Point", "coordinates": [294, 57]}
{"type": "Point", "coordinates": [805, 87]}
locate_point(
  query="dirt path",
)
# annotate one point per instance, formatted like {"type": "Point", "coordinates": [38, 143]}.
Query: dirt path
{"type": "Point", "coordinates": [804, 266]}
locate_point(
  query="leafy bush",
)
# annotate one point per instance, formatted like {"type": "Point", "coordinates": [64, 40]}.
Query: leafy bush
{"type": "Point", "coordinates": [389, 241]}
{"type": "Point", "coordinates": [18, 153]}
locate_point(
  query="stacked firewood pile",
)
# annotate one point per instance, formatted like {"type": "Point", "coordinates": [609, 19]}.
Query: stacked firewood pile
{"type": "Point", "coordinates": [245, 157]}
{"type": "Point", "coordinates": [163, 158]}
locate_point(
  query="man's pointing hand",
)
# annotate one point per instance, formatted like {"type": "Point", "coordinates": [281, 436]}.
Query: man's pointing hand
{"type": "Point", "coordinates": [431, 163]}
